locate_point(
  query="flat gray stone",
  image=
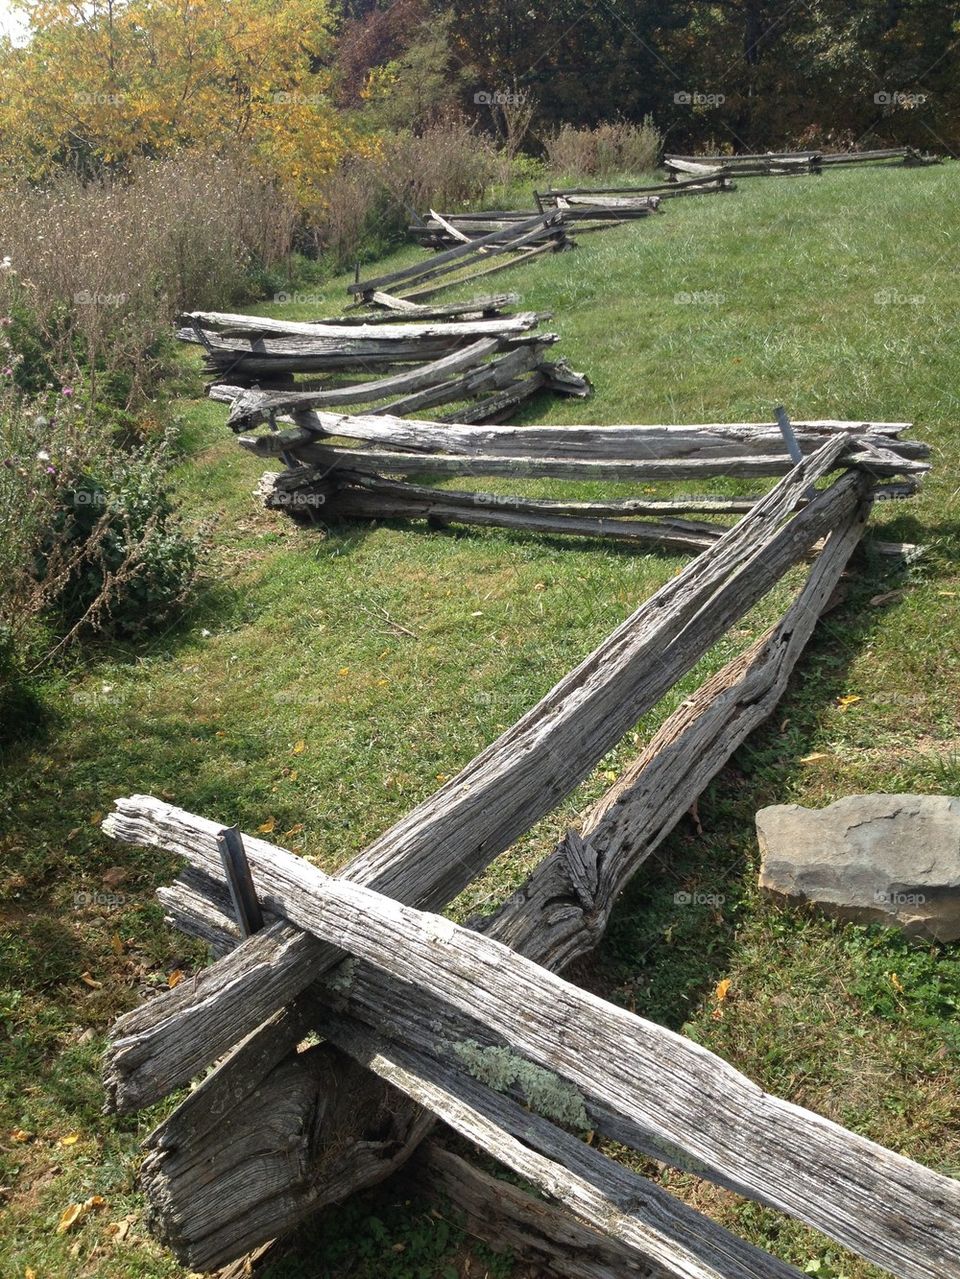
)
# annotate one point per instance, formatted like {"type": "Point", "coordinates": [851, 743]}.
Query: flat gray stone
{"type": "Point", "coordinates": [893, 859]}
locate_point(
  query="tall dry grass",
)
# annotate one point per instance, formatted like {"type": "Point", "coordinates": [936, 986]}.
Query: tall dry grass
{"type": "Point", "coordinates": [369, 200]}
{"type": "Point", "coordinates": [610, 148]}
{"type": "Point", "coordinates": [100, 268]}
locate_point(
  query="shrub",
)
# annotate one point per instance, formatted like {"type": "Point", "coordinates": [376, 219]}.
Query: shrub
{"type": "Point", "coordinates": [610, 148]}
{"type": "Point", "coordinates": [89, 539]}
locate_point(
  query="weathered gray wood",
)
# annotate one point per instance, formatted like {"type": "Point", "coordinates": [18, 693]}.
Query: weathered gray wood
{"type": "Point", "coordinates": [182, 1176]}
{"type": "Point", "coordinates": [499, 372]}
{"type": "Point", "coordinates": [318, 336]}
{"type": "Point", "coordinates": [885, 1207]}
{"type": "Point", "coordinates": [632, 1210]}
{"type": "Point", "coordinates": [534, 1231]}
{"type": "Point", "coordinates": [663, 189]}
{"type": "Point", "coordinates": [880, 463]}
{"type": "Point", "coordinates": [551, 918]}
{"type": "Point", "coordinates": [434, 852]}
{"type": "Point", "coordinates": [501, 241]}
{"type": "Point", "coordinates": [357, 502]}
{"type": "Point", "coordinates": [502, 264]}
{"type": "Point", "coordinates": [641, 442]}
{"type": "Point", "coordinates": [619, 507]}
{"type": "Point", "coordinates": [251, 407]}
{"type": "Point", "coordinates": [239, 1174]}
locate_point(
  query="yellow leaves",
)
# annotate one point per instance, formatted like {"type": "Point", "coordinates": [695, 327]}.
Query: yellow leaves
{"type": "Point", "coordinates": [721, 994]}
{"type": "Point", "coordinates": [268, 827]}
{"type": "Point", "coordinates": [70, 1139]}
{"type": "Point", "coordinates": [20, 1135]}
{"type": "Point", "coordinates": [896, 983]}
{"type": "Point", "coordinates": [158, 71]}
{"type": "Point", "coordinates": [175, 978]}
{"type": "Point", "coordinates": [90, 981]}
{"type": "Point", "coordinates": [75, 1212]}
{"type": "Point", "coordinates": [299, 747]}
{"type": "Point", "coordinates": [848, 699]}
{"type": "Point", "coordinates": [294, 830]}
{"type": "Point", "coordinates": [69, 1218]}
{"type": "Point", "coordinates": [343, 672]}
{"type": "Point", "coordinates": [815, 757]}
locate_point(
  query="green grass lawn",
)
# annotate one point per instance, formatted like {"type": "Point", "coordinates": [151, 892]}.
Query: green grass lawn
{"type": "Point", "coordinates": [326, 683]}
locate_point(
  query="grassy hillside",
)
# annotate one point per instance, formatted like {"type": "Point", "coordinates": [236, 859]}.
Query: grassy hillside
{"type": "Point", "coordinates": [327, 683]}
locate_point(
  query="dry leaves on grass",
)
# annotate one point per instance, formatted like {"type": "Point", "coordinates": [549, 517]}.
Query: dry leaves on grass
{"type": "Point", "coordinates": [75, 1212]}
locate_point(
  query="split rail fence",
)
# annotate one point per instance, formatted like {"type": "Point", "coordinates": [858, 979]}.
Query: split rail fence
{"type": "Point", "coordinates": [400, 362]}
{"type": "Point", "coordinates": [345, 1017]}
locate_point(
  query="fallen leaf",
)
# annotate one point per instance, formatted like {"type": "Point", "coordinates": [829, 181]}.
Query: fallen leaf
{"type": "Point", "coordinates": [293, 774]}
{"type": "Point", "coordinates": [299, 747]}
{"type": "Point", "coordinates": [267, 827]}
{"type": "Point", "coordinates": [114, 876]}
{"type": "Point", "coordinates": [294, 830]}
{"type": "Point", "coordinates": [175, 978]}
{"type": "Point", "coordinates": [72, 834]}
{"type": "Point", "coordinates": [812, 759]}
{"type": "Point", "coordinates": [96, 818]}
{"type": "Point", "coordinates": [20, 1134]}
{"type": "Point", "coordinates": [117, 943]}
{"type": "Point", "coordinates": [91, 981]}
{"type": "Point", "coordinates": [95, 1202]}
{"type": "Point", "coordinates": [722, 990]}
{"type": "Point", "coordinates": [896, 983]}
{"type": "Point", "coordinates": [29, 1273]}
{"type": "Point", "coordinates": [71, 1139]}
{"type": "Point", "coordinates": [69, 1218]}
{"type": "Point", "coordinates": [849, 699]}
{"type": "Point", "coordinates": [344, 670]}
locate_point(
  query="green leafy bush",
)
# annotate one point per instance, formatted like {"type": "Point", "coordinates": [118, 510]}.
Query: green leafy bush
{"type": "Point", "coordinates": [122, 561]}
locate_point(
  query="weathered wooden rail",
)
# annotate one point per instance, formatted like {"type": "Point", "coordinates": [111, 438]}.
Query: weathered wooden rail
{"type": "Point", "coordinates": [785, 163]}
{"type": "Point", "coordinates": [507, 245]}
{"type": "Point", "coordinates": [472, 1026]}
{"type": "Point", "coordinates": [340, 469]}
{"type": "Point", "coordinates": [409, 360]}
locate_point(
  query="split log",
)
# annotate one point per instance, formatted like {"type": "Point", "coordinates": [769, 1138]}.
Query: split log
{"type": "Point", "coordinates": [255, 406]}
{"type": "Point", "coordinates": [503, 263]}
{"type": "Point", "coordinates": [359, 502]}
{"type": "Point", "coordinates": [316, 336]}
{"type": "Point", "coordinates": [708, 440]}
{"type": "Point", "coordinates": [618, 507]}
{"type": "Point", "coordinates": [435, 851]}
{"type": "Point", "coordinates": [879, 463]}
